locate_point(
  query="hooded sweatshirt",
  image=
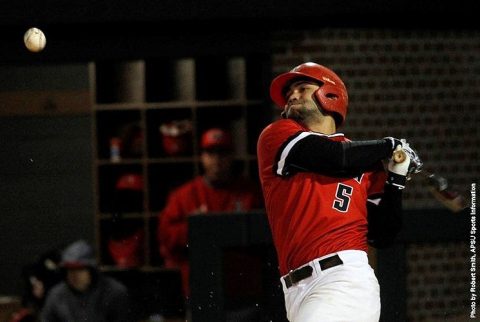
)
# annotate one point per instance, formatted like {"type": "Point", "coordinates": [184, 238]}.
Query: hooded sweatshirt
{"type": "Point", "coordinates": [105, 300]}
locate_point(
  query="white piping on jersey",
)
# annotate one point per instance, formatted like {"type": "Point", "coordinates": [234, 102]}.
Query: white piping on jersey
{"type": "Point", "coordinates": [288, 148]}
{"type": "Point", "coordinates": [375, 201]}
{"type": "Point", "coordinates": [398, 185]}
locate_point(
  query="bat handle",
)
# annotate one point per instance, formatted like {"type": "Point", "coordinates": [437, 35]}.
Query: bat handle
{"type": "Point", "coordinates": [399, 156]}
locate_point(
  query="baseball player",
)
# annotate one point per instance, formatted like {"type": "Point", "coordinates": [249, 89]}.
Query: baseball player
{"type": "Point", "coordinates": [327, 198]}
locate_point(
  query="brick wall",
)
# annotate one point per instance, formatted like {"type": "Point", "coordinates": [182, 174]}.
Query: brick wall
{"type": "Point", "coordinates": [437, 282]}
{"type": "Point", "coordinates": [421, 85]}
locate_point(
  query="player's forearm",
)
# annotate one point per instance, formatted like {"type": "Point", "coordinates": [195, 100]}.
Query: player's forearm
{"type": "Point", "coordinates": [328, 157]}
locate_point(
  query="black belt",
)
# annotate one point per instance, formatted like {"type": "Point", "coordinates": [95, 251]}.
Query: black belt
{"type": "Point", "coordinates": [297, 275]}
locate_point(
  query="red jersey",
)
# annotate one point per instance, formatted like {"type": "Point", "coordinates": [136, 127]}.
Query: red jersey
{"type": "Point", "coordinates": [193, 198]}
{"type": "Point", "coordinates": [310, 214]}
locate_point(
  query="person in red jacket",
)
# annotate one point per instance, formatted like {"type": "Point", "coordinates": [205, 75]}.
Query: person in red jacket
{"type": "Point", "coordinates": [218, 189]}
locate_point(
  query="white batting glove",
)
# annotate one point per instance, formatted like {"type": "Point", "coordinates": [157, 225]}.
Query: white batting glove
{"type": "Point", "coordinates": [399, 172]}
{"type": "Point", "coordinates": [400, 168]}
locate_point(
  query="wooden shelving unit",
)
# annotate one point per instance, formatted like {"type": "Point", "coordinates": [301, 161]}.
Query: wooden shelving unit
{"type": "Point", "coordinates": [136, 97]}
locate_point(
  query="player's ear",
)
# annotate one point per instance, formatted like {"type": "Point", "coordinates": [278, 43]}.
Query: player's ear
{"type": "Point", "coordinates": [317, 97]}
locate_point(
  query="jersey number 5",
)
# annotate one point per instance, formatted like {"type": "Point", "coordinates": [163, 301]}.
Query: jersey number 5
{"type": "Point", "coordinates": [342, 197]}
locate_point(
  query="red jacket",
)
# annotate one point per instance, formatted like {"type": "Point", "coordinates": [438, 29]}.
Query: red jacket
{"type": "Point", "coordinates": [193, 198]}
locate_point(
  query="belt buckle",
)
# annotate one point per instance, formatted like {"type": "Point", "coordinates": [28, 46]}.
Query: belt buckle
{"type": "Point", "coordinates": [289, 278]}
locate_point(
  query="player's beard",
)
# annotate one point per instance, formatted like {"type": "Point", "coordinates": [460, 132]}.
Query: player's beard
{"type": "Point", "coordinates": [309, 115]}
{"type": "Point", "coordinates": [300, 111]}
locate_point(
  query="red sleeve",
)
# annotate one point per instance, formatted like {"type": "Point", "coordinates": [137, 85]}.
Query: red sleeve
{"type": "Point", "coordinates": [377, 181]}
{"type": "Point", "coordinates": [274, 135]}
{"type": "Point", "coordinates": [172, 226]}
{"type": "Point", "coordinates": [269, 143]}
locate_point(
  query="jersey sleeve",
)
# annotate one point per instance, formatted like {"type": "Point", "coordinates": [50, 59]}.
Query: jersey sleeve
{"type": "Point", "coordinates": [377, 181]}
{"type": "Point", "coordinates": [172, 226]}
{"type": "Point", "coordinates": [300, 150]}
{"type": "Point", "coordinates": [271, 144]}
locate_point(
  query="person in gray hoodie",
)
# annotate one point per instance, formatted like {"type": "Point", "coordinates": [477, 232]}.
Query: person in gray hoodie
{"type": "Point", "coordinates": [85, 294]}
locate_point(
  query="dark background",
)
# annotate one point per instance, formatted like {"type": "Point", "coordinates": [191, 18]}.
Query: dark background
{"type": "Point", "coordinates": [86, 30]}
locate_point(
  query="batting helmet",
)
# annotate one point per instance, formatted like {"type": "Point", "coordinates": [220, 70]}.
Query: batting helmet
{"type": "Point", "coordinates": [332, 94]}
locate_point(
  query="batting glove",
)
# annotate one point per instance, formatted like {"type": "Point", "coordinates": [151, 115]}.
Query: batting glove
{"type": "Point", "coordinates": [393, 142]}
{"type": "Point", "coordinates": [399, 172]}
{"type": "Point", "coordinates": [400, 168]}
{"type": "Point", "coordinates": [416, 163]}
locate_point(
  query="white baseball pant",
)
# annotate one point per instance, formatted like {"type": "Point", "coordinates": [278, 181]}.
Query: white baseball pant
{"type": "Point", "coordinates": [347, 292]}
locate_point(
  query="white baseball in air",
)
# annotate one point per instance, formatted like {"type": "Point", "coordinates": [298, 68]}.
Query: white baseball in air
{"type": "Point", "coordinates": [34, 40]}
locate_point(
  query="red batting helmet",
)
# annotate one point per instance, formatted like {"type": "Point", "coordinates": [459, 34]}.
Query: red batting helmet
{"type": "Point", "coordinates": [216, 138]}
{"type": "Point", "coordinates": [332, 94]}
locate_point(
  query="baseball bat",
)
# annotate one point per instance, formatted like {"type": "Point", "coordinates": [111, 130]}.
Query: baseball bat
{"type": "Point", "coordinates": [438, 187]}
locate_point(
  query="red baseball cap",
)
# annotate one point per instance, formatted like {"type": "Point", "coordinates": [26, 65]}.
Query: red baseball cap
{"type": "Point", "coordinates": [130, 181]}
{"type": "Point", "coordinates": [216, 138]}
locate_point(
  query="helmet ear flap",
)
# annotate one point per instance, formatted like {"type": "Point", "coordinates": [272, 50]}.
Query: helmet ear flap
{"type": "Point", "coordinates": [327, 96]}
{"type": "Point", "coordinates": [332, 100]}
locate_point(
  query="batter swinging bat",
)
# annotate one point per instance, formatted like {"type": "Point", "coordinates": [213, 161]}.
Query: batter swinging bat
{"type": "Point", "coordinates": [438, 187]}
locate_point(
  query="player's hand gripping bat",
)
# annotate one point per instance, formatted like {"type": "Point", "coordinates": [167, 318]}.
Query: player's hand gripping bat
{"type": "Point", "coordinates": [437, 185]}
